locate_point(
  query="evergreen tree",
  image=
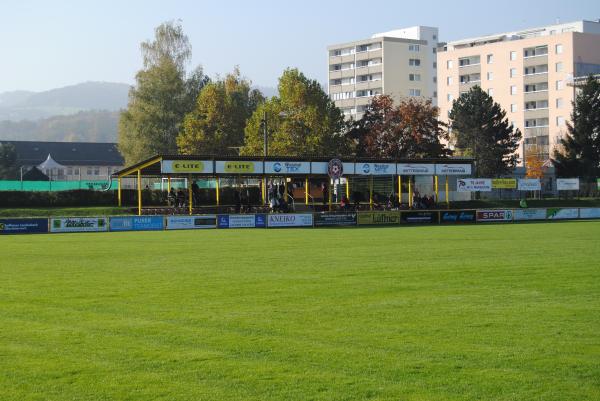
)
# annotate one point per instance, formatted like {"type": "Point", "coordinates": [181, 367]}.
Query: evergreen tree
{"type": "Point", "coordinates": [479, 128]}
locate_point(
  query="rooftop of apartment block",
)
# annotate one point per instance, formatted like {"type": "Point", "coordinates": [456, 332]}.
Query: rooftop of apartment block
{"type": "Point", "coordinates": [409, 35]}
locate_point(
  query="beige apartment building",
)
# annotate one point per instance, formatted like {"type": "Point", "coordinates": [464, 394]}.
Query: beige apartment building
{"type": "Point", "coordinates": [529, 73]}
{"type": "Point", "coordinates": [399, 63]}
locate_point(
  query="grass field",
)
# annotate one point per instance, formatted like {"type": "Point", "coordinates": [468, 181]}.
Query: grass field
{"type": "Point", "coordinates": [486, 312]}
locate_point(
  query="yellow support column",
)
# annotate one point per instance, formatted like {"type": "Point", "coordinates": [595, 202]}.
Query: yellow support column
{"type": "Point", "coordinates": [410, 200]}
{"type": "Point", "coordinates": [447, 198]}
{"type": "Point", "coordinates": [400, 190]}
{"type": "Point", "coordinates": [190, 197]}
{"type": "Point", "coordinates": [437, 192]}
{"type": "Point", "coordinates": [119, 192]}
{"type": "Point", "coordinates": [348, 188]}
{"type": "Point", "coordinates": [217, 190]}
{"type": "Point", "coordinates": [285, 187]}
{"type": "Point", "coordinates": [264, 191]}
{"type": "Point", "coordinates": [329, 193]}
{"type": "Point", "coordinates": [306, 190]}
{"type": "Point", "coordinates": [139, 188]}
{"type": "Point", "coordinates": [371, 192]}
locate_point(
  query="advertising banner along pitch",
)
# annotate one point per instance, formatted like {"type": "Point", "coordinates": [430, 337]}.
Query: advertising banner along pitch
{"type": "Point", "coordinates": [567, 184]}
{"type": "Point", "coordinates": [78, 224]}
{"type": "Point", "coordinates": [457, 216]}
{"type": "Point", "coordinates": [378, 218]}
{"type": "Point", "coordinates": [334, 219]}
{"type": "Point", "coordinates": [191, 222]}
{"type": "Point", "coordinates": [137, 223]}
{"type": "Point", "coordinates": [562, 214]}
{"type": "Point", "coordinates": [529, 184]}
{"type": "Point", "coordinates": [474, 185]}
{"type": "Point", "coordinates": [494, 215]}
{"type": "Point", "coordinates": [530, 214]}
{"type": "Point", "coordinates": [419, 217]}
{"type": "Point", "coordinates": [504, 183]}
{"type": "Point", "coordinates": [290, 220]}
{"type": "Point", "coordinates": [589, 213]}
{"type": "Point", "coordinates": [241, 221]}
{"type": "Point", "coordinates": [23, 226]}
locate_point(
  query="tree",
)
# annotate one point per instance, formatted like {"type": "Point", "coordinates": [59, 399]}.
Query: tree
{"type": "Point", "coordinates": [480, 128]}
{"type": "Point", "coordinates": [580, 153]}
{"type": "Point", "coordinates": [8, 161]}
{"type": "Point", "coordinates": [302, 120]}
{"type": "Point", "coordinates": [216, 125]}
{"type": "Point", "coordinates": [162, 96]}
{"type": "Point", "coordinates": [409, 130]}
{"type": "Point", "coordinates": [534, 163]}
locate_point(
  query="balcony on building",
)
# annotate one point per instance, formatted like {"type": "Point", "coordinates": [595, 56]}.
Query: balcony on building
{"type": "Point", "coordinates": [537, 51]}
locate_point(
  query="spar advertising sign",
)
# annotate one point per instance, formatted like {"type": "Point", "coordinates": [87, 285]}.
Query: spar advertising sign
{"type": "Point", "coordinates": [23, 226]}
{"type": "Point", "coordinates": [530, 214]}
{"type": "Point", "coordinates": [504, 183]}
{"type": "Point", "coordinates": [567, 184]}
{"type": "Point", "coordinates": [415, 169]}
{"type": "Point", "coordinates": [562, 214]}
{"type": "Point", "coordinates": [186, 166]}
{"type": "Point", "coordinates": [78, 224]}
{"type": "Point", "coordinates": [290, 220]}
{"type": "Point", "coordinates": [335, 219]}
{"type": "Point", "coordinates": [589, 213]}
{"type": "Point", "coordinates": [453, 169]}
{"type": "Point", "coordinates": [378, 218]}
{"type": "Point", "coordinates": [457, 216]}
{"type": "Point", "coordinates": [241, 221]}
{"type": "Point", "coordinates": [287, 168]}
{"type": "Point", "coordinates": [137, 223]}
{"type": "Point", "coordinates": [191, 222]}
{"type": "Point", "coordinates": [375, 168]}
{"type": "Point", "coordinates": [419, 217]}
{"type": "Point", "coordinates": [529, 184]}
{"type": "Point", "coordinates": [474, 185]}
{"type": "Point", "coordinates": [494, 215]}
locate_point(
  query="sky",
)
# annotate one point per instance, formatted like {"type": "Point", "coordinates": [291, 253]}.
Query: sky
{"type": "Point", "coordinates": [49, 44]}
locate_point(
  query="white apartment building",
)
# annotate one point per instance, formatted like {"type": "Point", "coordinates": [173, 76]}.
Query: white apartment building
{"type": "Point", "coordinates": [399, 63]}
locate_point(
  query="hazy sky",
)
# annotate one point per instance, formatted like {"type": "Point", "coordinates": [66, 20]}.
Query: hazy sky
{"type": "Point", "coordinates": [51, 43]}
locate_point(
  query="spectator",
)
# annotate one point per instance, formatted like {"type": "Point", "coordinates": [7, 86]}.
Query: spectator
{"type": "Point", "coordinates": [172, 197]}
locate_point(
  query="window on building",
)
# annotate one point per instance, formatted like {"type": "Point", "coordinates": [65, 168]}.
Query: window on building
{"type": "Point", "coordinates": [449, 97]}
{"type": "Point", "coordinates": [490, 91]}
{"type": "Point", "coordinates": [435, 80]}
{"type": "Point", "coordinates": [559, 103]}
{"type": "Point", "coordinates": [513, 72]}
{"type": "Point", "coordinates": [490, 58]}
{"type": "Point", "coordinates": [434, 65]}
{"type": "Point", "coordinates": [414, 62]}
{"type": "Point", "coordinates": [414, 92]}
{"type": "Point", "coordinates": [513, 108]}
{"type": "Point", "coordinates": [96, 170]}
{"type": "Point", "coordinates": [449, 64]}
{"type": "Point", "coordinates": [434, 50]}
{"type": "Point", "coordinates": [448, 80]}
{"type": "Point", "coordinates": [513, 90]}
{"type": "Point", "coordinates": [560, 121]}
{"type": "Point", "coordinates": [559, 49]}
{"type": "Point", "coordinates": [434, 37]}
{"type": "Point", "coordinates": [435, 94]}
{"type": "Point", "coordinates": [414, 48]}
{"type": "Point", "coordinates": [559, 67]}
{"type": "Point", "coordinates": [513, 56]}
{"type": "Point", "coordinates": [69, 170]}
{"type": "Point", "coordinates": [490, 76]}
{"type": "Point", "coordinates": [89, 171]}
{"type": "Point", "coordinates": [76, 171]}
{"type": "Point", "coordinates": [414, 77]}
{"type": "Point", "coordinates": [559, 85]}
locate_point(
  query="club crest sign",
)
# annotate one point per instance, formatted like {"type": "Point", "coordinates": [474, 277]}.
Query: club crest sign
{"type": "Point", "coordinates": [335, 168]}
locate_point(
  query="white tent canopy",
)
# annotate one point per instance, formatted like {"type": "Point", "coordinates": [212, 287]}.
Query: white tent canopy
{"type": "Point", "coordinates": [49, 164]}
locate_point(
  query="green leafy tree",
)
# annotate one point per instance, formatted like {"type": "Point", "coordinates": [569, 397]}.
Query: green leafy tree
{"type": "Point", "coordinates": [8, 161]}
{"type": "Point", "coordinates": [480, 129]}
{"type": "Point", "coordinates": [580, 153]}
{"type": "Point", "coordinates": [216, 125]}
{"type": "Point", "coordinates": [302, 120]}
{"type": "Point", "coordinates": [410, 129]}
{"type": "Point", "coordinates": [162, 96]}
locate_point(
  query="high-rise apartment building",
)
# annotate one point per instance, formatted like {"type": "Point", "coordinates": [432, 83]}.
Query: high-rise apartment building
{"type": "Point", "coordinates": [527, 73]}
{"type": "Point", "coordinates": [399, 63]}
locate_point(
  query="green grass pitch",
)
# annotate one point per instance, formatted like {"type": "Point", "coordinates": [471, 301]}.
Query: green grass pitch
{"type": "Point", "coordinates": [485, 312]}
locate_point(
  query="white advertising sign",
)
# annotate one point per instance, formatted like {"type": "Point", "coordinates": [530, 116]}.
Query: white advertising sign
{"type": "Point", "coordinates": [453, 169]}
{"type": "Point", "coordinates": [319, 167]}
{"type": "Point", "coordinates": [375, 168]}
{"type": "Point", "coordinates": [191, 222]}
{"type": "Point", "coordinates": [288, 168]}
{"type": "Point", "coordinates": [474, 185]}
{"type": "Point", "coordinates": [415, 169]}
{"type": "Point", "coordinates": [238, 167]}
{"type": "Point", "coordinates": [78, 224]}
{"type": "Point", "coordinates": [567, 184]}
{"type": "Point", "coordinates": [530, 214]}
{"type": "Point", "coordinates": [589, 213]}
{"type": "Point", "coordinates": [529, 184]}
{"type": "Point", "coordinates": [562, 214]}
{"type": "Point", "coordinates": [186, 166]}
{"type": "Point", "coordinates": [290, 220]}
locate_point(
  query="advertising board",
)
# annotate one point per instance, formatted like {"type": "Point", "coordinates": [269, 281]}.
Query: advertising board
{"type": "Point", "coordinates": [375, 168]}
{"type": "Point", "coordinates": [562, 213]}
{"type": "Point", "coordinates": [186, 166]}
{"type": "Point", "coordinates": [416, 217]}
{"type": "Point", "coordinates": [589, 213]}
{"type": "Point", "coordinates": [23, 226]}
{"type": "Point", "coordinates": [191, 222]}
{"type": "Point", "coordinates": [504, 183]}
{"type": "Point", "coordinates": [238, 167]}
{"type": "Point", "coordinates": [290, 220]}
{"type": "Point", "coordinates": [78, 224]}
{"type": "Point", "coordinates": [567, 184]}
{"type": "Point", "coordinates": [457, 216]}
{"type": "Point", "coordinates": [287, 167]}
{"type": "Point", "coordinates": [241, 221]}
{"type": "Point", "coordinates": [137, 223]}
{"type": "Point", "coordinates": [453, 169]}
{"type": "Point", "coordinates": [494, 215]}
{"type": "Point", "coordinates": [598, 183]}
{"type": "Point", "coordinates": [378, 218]}
{"type": "Point", "coordinates": [473, 185]}
{"type": "Point", "coordinates": [530, 214]}
{"type": "Point", "coordinates": [415, 169]}
{"type": "Point", "coordinates": [529, 184]}
{"type": "Point", "coordinates": [334, 219]}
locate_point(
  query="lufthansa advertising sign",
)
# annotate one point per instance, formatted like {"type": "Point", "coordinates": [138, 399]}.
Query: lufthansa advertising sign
{"type": "Point", "coordinates": [23, 226]}
{"type": "Point", "coordinates": [287, 168]}
{"type": "Point", "coordinates": [239, 167]}
{"type": "Point", "coordinates": [415, 169]}
{"type": "Point", "coordinates": [375, 168]}
{"type": "Point", "coordinates": [186, 166]}
{"type": "Point", "coordinates": [453, 169]}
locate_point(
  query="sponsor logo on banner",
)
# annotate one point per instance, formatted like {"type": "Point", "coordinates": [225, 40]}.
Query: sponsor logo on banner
{"type": "Point", "coordinates": [375, 168]}
{"type": "Point", "coordinates": [530, 214]}
{"type": "Point", "coordinates": [458, 216]}
{"type": "Point", "coordinates": [239, 167]}
{"type": "Point", "coordinates": [494, 215]}
{"type": "Point", "coordinates": [23, 226]}
{"type": "Point", "coordinates": [504, 183]}
{"type": "Point", "coordinates": [335, 219]}
{"type": "Point", "coordinates": [290, 220]}
{"type": "Point", "coordinates": [186, 166]}
{"type": "Point", "coordinates": [79, 224]}
{"type": "Point", "coordinates": [567, 184]}
{"type": "Point", "coordinates": [376, 218]}
{"type": "Point", "coordinates": [283, 167]}
{"type": "Point", "coordinates": [191, 222]}
{"type": "Point", "coordinates": [529, 184]}
{"type": "Point", "coordinates": [415, 169]}
{"type": "Point", "coordinates": [474, 185]}
{"type": "Point", "coordinates": [241, 221]}
{"type": "Point", "coordinates": [453, 169]}
{"type": "Point", "coordinates": [137, 223]}
{"type": "Point", "coordinates": [419, 217]}
{"type": "Point", "coordinates": [589, 213]}
{"type": "Point", "coordinates": [562, 214]}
